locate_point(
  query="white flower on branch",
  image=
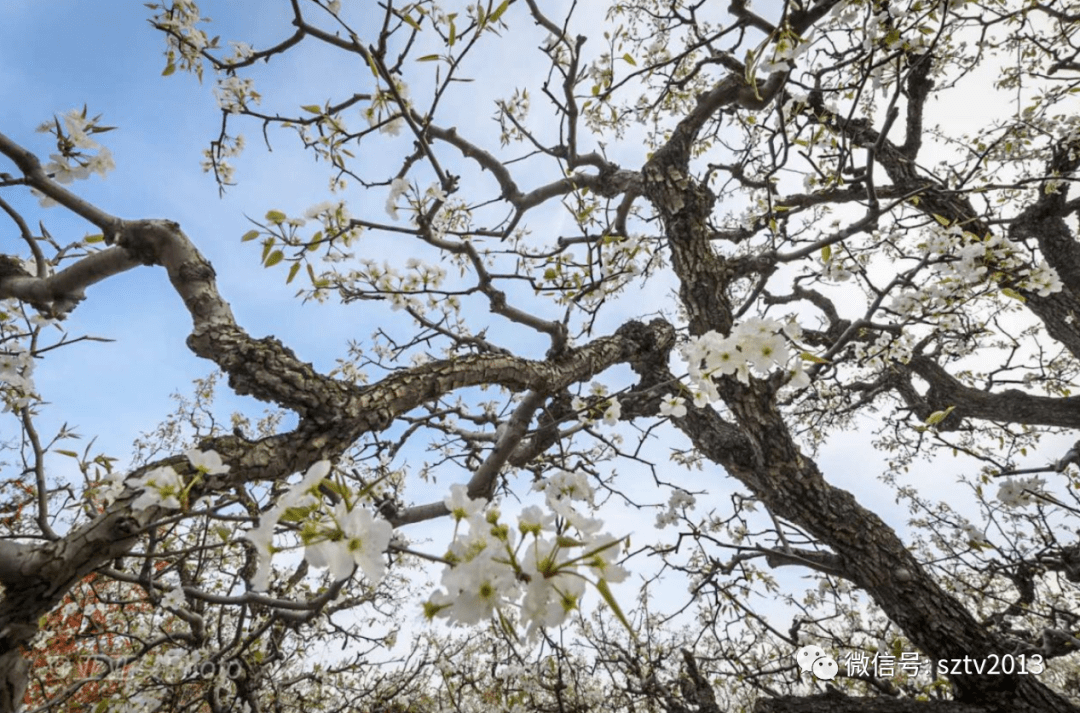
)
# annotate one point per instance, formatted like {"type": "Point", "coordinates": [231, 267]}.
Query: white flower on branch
{"type": "Point", "coordinates": [612, 412]}
{"type": "Point", "coordinates": [675, 407]}
{"type": "Point", "coordinates": [358, 538]}
{"type": "Point", "coordinates": [297, 500]}
{"type": "Point", "coordinates": [162, 488]}
{"type": "Point", "coordinates": [207, 463]}
{"type": "Point", "coordinates": [397, 189]}
{"type": "Point", "coordinates": [1020, 492]}
{"type": "Point", "coordinates": [460, 505]}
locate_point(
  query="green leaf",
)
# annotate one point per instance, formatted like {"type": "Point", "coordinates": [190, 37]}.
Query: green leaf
{"type": "Point", "coordinates": [296, 514]}
{"type": "Point", "coordinates": [807, 356]}
{"type": "Point", "coordinates": [505, 625]}
{"type": "Point", "coordinates": [410, 22]}
{"type": "Point", "coordinates": [494, 17]}
{"type": "Point", "coordinates": [249, 235]}
{"type": "Point", "coordinates": [605, 592]}
{"type": "Point", "coordinates": [312, 109]}
{"type": "Point", "coordinates": [169, 69]}
{"type": "Point", "coordinates": [276, 216]}
{"type": "Point", "coordinates": [69, 454]}
{"type": "Point", "coordinates": [274, 258]}
{"type": "Point", "coordinates": [938, 416]}
{"type": "Point", "coordinates": [292, 272]}
{"type": "Point", "coordinates": [94, 238]}
{"type": "Point", "coordinates": [826, 253]}
{"type": "Point", "coordinates": [629, 60]}
{"type": "Point", "coordinates": [942, 219]}
{"type": "Point", "coordinates": [1010, 292]}
{"type": "Point", "coordinates": [428, 58]}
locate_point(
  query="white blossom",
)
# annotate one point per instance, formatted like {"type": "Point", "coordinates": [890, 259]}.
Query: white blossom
{"type": "Point", "coordinates": [397, 189]}
{"type": "Point", "coordinates": [299, 497]}
{"type": "Point", "coordinates": [533, 519]}
{"type": "Point", "coordinates": [552, 592]}
{"type": "Point", "coordinates": [612, 412]}
{"type": "Point", "coordinates": [233, 94]}
{"type": "Point", "coordinates": [208, 462]}
{"type": "Point", "coordinates": [460, 505]}
{"type": "Point", "coordinates": [359, 539]}
{"type": "Point", "coordinates": [173, 599]}
{"type": "Point", "coordinates": [1020, 492]}
{"type": "Point", "coordinates": [675, 407]}
{"type": "Point", "coordinates": [161, 488]}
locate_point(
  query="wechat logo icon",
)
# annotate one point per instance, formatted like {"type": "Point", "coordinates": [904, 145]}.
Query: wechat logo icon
{"type": "Point", "coordinates": [814, 659]}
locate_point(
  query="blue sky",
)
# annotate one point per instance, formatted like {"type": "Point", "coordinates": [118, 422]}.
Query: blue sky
{"type": "Point", "coordinates": [112, 61]}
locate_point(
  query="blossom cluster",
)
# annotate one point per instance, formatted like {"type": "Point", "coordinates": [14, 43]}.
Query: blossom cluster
{"type": "Point", "coordinates": [346, 536]}
{"type": "Point", "coordinates": [399, 187]}
{"type": "Point", "coordinates": [512, 116]}
{"type": "Point", "coordinates": [162, 487]}
{"type": "Point", "coordinates": [420, 277]}
{"type": "Point", "coordinates": [608, 409]}
{"type": "Point", "coordinates": [679, 501]}
{"type": "Point", "coordinates": [674, 407]}
{"type": "Point", "coordinates": [16, 381]}
{"type": "Point", "coordinates": [886, 347]}
{"type": "Point", "coordinates": [755, 344]}
{"type": "Point", "coordinates": [535, 574]}
{"type": "Point", "coordinates": [337, 210]}
{"type": "Point", "coordinates": [962, 261]}
{"type": "Point", "coordinates": [972, 535]}
{"type": "Point", "coordinates": [1020, 492]}
{"type": "Point", "coordinates": [180, 20]}
{"type": "Point", "coordinates": [233, 94]}
{"type": "Point", "coordinates": [216, 157]}
{"type": "Point", "coordinates": [240, 52]}
{"type": "Point", "coordinates": [623, 261]}
{"type": "Point", "coordinates": [892, 25]}
{"type": "Point", "coordinates": [788, 48]}
{"type": "Point", "coordinates": [597, 405]}
{"type": "Point", "coordinates": [385, 111]}
{"type": "Point", "coordinates": [73, 141]}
